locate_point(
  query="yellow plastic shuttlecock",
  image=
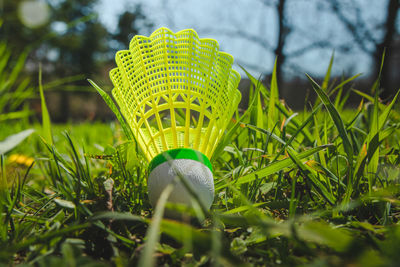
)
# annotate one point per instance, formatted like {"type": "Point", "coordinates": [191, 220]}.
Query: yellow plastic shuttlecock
{"type": "Point", "coordinates": [178, 93]}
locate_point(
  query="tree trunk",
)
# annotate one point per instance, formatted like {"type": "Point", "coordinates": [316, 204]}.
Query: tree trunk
{"type": "Point", "coordinates": [283, 31]}
{"type": "Point", "coordinates": [387, 42]}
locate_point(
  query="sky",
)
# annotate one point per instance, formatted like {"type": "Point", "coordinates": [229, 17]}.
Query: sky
{"type": "Point", "coordinates": [312, 21]}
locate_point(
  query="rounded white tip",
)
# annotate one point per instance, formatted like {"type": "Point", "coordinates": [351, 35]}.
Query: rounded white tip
{"type": "Point", "coordinates": [196, 173]}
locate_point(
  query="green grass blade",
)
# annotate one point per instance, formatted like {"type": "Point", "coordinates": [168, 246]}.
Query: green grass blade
{"type": "Point", "coordinates": [3, 184]}
{"type": "Point", "coordinates": [324, 234]}
{"type": "Point", "coordinates": [326, 172]}
{"type": "Point", "coordinates": [243, 208]}
{"type": "Point", "coordinates": [298, 130]}
{"type": "Point", "coordinates": [40, 239]}
{"type": "Point", "coordinates": [116, 216]}
{"type": "Point", "coordinates": [328, 73]}
{"type": "Point", "coordinates": [21, 93]}
{"type": "Point", "coordinates": [260, 116]}
{"type": "Point", "coordinates": [268, 133]}
{"type": "Point", "coordinates": [385, 114]}
{"type": "Point", "coordinates": [293, 200]}
{"type": "Point", "coordinates": [319, 141]}
{"type": "Point", "coordinates": [114, 109]}
{"type": "Point", "coordinates": [15, 115]}
{"type": "Point", "coordinates": [17, 69]}
{"type": "Point", "coordinates": [373, 137]}
{"type": "Point", "coordinates": [348, 147]}
{"type": "Point", "coordinates": [306, 171]}
{"type": "Point", "coordinates": [153, 233]}
{"type": "Point", "coordinates": [338, 96]}
{"type": "Point", "coordinates": [273, 98]}
{"type": "Point", "coordinates": [257, 116]}
{"type": "Point", "coordinates": [46, 123]}
{"type": "Point", "coordinates": [340, 85]}
{"type": "Point", "coordinates": [256, 83]}
{"type": "Point", "coordinates": [58, 82]}
{"type": "Point", "coordinates": [375, 86]}
{"type": "Point", "coordinates": [368, 97]}
{"type": "Point", "coordinates": [371, 99]}
{"type": "Point", "coordinates": [274, 167]}
{"type": "Point", "coordinates": [282, 109]}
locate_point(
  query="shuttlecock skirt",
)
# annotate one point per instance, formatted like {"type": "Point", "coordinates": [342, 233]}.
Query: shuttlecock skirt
{"type": "Point", "coordinates": [175, 90]}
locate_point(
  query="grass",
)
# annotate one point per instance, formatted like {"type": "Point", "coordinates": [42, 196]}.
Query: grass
{"type": "Point", "coordinates": [317, 188]}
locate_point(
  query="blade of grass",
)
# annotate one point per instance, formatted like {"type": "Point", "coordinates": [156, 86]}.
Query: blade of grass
{"type": "Point", "coordinates": [319, 141]}
{"type": "Point", "coordinates": [47, 237]}
{"type": "Point", "coordinates": [15, 115]}
{"type": "Point", "coordinates": [338, 96]}
{"type": "Point", "coordinates": [46, 123]}
{"type": "Point", "coordinates": [307, 172]}
{"type": "Point", "coordinates": [274, 167]}
{"type": "Point", "coordinates": [375, 86]}
{"type": "Point", "coordinates": [293, 200]}
{"type": "Point", "coordinates": [114, 109]}
{"type": "Point", "coordinates": [371, 99]}
{"type": "Point", "coordinates": [153, 233]}
{"type": "Point", "coordinates": [338, 121]}
{"type": "Point", "coordinates": [243, 208]}
{"type": "Point", "coordinates": [287, 113]}
{"type": "Point", "coordinates": [340, 85]}
{"type": "Point", "coordinates": [385, 114]}
{"type": "Point", "coordinates": [116, 216]}
{"type": "Point", "coordinates": [273, 98]}
{"type": "Point", "coordinates": [327, 77]}
{"type": "Point", "coordinates": [273, 116]}
{"type": "Point", "coordinates": [260, 119]}
{"type": "Point", "coordinates": [267, 132]}
{"type": "Point", "coordinates": [298, 130]}
{"type": "Point", "coordinates": [328, 73]}
{"type": "Point", "coordinates": [373, 137]}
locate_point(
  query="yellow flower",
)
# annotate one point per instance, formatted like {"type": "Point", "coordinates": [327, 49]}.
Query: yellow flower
{"type": "Point", "coordinates": [21, 159]}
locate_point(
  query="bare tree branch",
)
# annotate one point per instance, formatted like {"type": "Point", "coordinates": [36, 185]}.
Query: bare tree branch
{"type": "Point", "coordinates": [237, 33]}
{"type": "Point", "coordinates": [358, 31]}
{"type": "Point", "coordinates": [365, 40]}
{"type": "Point", "coordinates": [269, 3]}
{"type": "Point", "coordinates": [250, 66]}
{"type": "Point", "coordinates": [318, 45]}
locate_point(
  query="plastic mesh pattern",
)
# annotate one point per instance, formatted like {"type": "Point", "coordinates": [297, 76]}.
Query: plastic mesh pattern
{"type": "Point", "coordinates": [175, 90]}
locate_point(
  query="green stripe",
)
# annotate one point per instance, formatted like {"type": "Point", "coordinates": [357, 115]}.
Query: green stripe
{"type": "Point", "coordinates": [179, 153]}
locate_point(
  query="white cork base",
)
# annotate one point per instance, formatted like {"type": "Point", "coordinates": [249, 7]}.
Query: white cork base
{"type": "Point", "coordinates": [196, 173]}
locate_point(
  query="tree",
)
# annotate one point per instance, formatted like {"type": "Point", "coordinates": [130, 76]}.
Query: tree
{"type": "Point", "coordinates": [80, 49]}
{"type": "Point", "coordinates": [129, 24]}
{"type": "Point", "coordinates": [281, 46]}
{"type": "Point", "coordinates": [283, 31]}
{"type": "Point", "coordinates": [20, 37]}
{"type": "Point", "coordinates": [71, 42]}
{"type": "Point", "coordinates": [365, 39]}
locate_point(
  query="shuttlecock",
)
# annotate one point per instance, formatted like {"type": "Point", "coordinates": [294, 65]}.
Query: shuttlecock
{"type": "Point", "coordinates": [178, 93]}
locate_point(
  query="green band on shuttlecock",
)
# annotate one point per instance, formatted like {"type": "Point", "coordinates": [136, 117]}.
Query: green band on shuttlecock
{"type": "Point", "coordinates": [179, 153]}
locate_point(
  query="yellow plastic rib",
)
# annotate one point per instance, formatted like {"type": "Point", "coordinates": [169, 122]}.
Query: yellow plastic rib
{"type": "Point", "coordinates": [175, 90]}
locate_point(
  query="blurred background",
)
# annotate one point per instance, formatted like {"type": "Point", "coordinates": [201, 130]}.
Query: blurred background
{"type": "Point", "coordinates": [71, 41]}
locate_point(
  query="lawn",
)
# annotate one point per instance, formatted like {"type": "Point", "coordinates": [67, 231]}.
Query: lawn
{"type": "Point", "coordinates": [312, 188]}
